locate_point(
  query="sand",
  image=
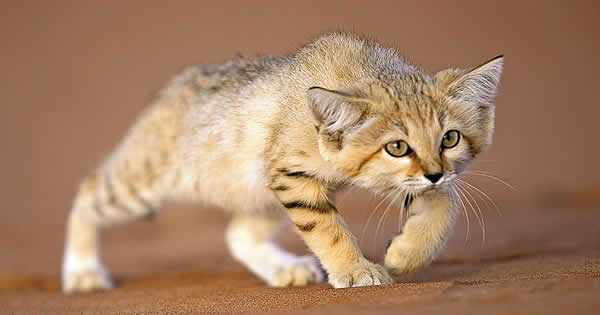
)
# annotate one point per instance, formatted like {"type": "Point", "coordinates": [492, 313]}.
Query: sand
{"type": "Point", "coordinates": [76, 73]}
{"type": "Point", "coordinates": [533, 261]}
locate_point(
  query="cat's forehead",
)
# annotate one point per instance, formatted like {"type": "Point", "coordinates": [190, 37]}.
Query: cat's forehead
{"type": "Point", "coordinates": [408, 93]}
{"type": "Point", "coordinates": [413, 103]}
{"type": "Point", "coordinates": [417, 112]}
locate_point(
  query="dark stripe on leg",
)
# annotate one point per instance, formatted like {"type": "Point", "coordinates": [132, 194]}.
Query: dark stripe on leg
{"type": "Point", "coordinates": [149, 209]}
{"type": "Point", "coordinates": [281, 188]}
{"type": "Point", "coordinates": [306, 227]}
{"type": "Point", "coordinates": [285, 171]}
{"type": "Point", "coordinates": [110, 191]}
{"type": "Point", "coordinates": [335, 240]}
{"type": "Point", "coordinates": [298, 174]}
{"type": "Point", "coordinates": [112, 199]}
{"type": "Point", "coordinates": [323, 208]}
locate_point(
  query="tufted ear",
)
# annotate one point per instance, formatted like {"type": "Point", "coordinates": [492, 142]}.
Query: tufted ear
{"type": "Point", "coordinates": [336, 109]}
{"type": "Point", "coordinates": [479, 85]}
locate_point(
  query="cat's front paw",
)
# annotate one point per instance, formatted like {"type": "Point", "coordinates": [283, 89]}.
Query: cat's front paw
{"type": "Point", "coordinates": [301, 272]}
{"type": "Point", "coordinates": [401, 258]}
{"type": "Point", "coordinates": [363, 273]}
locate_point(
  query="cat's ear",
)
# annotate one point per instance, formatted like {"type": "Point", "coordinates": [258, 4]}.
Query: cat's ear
{"type": "Point", "coordinates": [477, 86]}
{"type": "Point", "coordinates": [336, 109]}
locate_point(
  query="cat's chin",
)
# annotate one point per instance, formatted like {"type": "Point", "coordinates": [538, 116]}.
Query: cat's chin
{"type": "Point", "coordinates": [428, 190]}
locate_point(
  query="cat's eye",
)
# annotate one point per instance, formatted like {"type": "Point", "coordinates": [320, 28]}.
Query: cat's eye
{"type": "Point", "coordinates": [397, 148]}
{"type": "Point", "coordinates": [450, 139]}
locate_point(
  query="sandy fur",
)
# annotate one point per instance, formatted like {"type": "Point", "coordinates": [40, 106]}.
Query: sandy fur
{"type": "Point", "coordinates": [276, 137]}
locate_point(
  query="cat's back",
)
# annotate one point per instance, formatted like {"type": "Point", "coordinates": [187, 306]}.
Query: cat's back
{"type": "Point", "coordinates": [201, 82]}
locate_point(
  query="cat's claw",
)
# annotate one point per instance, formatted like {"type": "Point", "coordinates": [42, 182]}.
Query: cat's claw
{"type": "Point", "coordinates": [302, 272]}
{"type": "Point", "coordinates": [363, 273]}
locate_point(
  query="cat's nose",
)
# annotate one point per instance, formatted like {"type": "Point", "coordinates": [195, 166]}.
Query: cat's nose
{"type": "Point", "coordinates": [434, 177]}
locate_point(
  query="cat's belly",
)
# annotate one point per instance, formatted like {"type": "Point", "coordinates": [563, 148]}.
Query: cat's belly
{"type": "Point", "coordinates": [231, 185]}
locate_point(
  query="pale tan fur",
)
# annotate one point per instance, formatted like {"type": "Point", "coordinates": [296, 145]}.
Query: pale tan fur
{"type": "Point", "coordinates": [277, 137]}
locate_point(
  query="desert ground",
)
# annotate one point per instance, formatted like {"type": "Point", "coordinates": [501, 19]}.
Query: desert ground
{"type": "Point", "coordinates": [532, 261]}
{"type": "Point", "coordinates": [76, 73]}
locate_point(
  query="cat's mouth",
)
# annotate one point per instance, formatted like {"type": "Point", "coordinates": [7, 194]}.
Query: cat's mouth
{"type": "Point", "coordinates": [420, 186]}
{"type": "Point", "coordinates": [419, 189]}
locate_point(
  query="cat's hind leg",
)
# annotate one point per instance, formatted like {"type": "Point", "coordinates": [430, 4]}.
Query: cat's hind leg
{"type": "Point", "coordinates": [106, 198]}
{"type": "Point", "coordinates": [249, 237]}
{"type": "Point", "coordinates": [131, 184]}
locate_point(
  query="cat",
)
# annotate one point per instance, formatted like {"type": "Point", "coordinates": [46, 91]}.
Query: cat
{"type": "Point", "coordinates": [272, 139]}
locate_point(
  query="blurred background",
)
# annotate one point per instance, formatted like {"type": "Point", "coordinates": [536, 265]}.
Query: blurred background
{"type": "Point", "coordinates": [76, 73]}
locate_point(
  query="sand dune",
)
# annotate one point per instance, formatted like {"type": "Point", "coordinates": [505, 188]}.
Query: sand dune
{"type": "Point", "coordinates": [552, 267]}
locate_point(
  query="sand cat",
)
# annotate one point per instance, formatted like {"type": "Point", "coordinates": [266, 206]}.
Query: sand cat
{"type": "Point", "coordinates": [273, 139]}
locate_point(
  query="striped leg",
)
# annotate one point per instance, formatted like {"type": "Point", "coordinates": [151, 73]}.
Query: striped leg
{"type": "Point", "coordinates": [249, 240]}
{"type": "Point", "coordinates": [309, 206]}
{"type": "Point", "coordinates": [103, 199]}
{"type": "Point", "coordinates": [431, 218]}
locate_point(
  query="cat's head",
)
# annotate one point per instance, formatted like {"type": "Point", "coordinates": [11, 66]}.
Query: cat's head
{"type": "Point", "coordinates": [410, 131]}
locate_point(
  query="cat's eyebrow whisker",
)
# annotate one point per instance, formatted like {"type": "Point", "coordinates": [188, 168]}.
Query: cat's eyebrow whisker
{"type": "Point", "coordinates": [483, 174]}
{"type": "Point", "coordinates": [373, 213]}
{"type": "Point", "coordinates": [482, 193]}
{"type": "Point", "coordinates": [469, 195]}
{"type": "Point", "coordinates": [385, 214]}
{"type": "Point", "coordinates": [454, 191]}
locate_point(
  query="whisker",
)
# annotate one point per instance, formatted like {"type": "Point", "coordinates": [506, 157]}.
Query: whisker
{"type": "Point", "coordinates": [479, 173]}
{"type": "Point", "coordinates": [482, 193]}
{"type": "Point", "coordinates": [362, 235]}
{"type": "Point", "coordinates": [401, 213]}
{"type": "Point", "coordinates": [453, 188]}
{"type": "Point", "coordinates": [460, 191]}
{"type": "Point", "coordinates": [384, 215]}
{"type": "Point", "coordinates": [479, 210]}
